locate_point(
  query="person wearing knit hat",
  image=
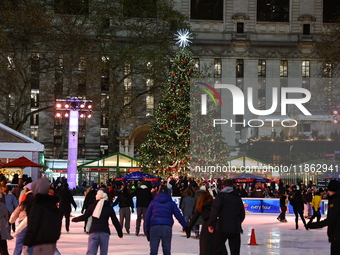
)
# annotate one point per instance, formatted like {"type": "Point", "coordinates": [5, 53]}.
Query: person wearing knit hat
{"type": "Point", "coordinates": [99, 232]}
{"type": "Point", "coordinates": [333, 217]}
{"type": "Point", "coordinates": [44, 220]}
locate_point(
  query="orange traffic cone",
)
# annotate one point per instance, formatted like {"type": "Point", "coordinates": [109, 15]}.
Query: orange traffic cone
{"type": "Point", "coordinates": [252, 238]}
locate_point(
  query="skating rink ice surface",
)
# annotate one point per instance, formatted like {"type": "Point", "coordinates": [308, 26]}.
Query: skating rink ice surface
{"type": "Point", "coordinates": [272, 238]}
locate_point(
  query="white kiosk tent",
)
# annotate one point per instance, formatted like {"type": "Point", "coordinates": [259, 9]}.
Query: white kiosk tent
{"type": "Point", "coordinates": [14, 145]}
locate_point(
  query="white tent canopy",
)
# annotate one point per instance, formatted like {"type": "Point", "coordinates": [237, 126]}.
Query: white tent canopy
{"type": "Point", "coordinates": [13, 145]}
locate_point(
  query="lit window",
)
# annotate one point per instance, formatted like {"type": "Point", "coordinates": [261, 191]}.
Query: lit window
{"type": "Point", "coordinates": [217, 68]}
{"type": "Point", "coordinates": [149, 105]}
{"type": "Point", "coordinates": [305, 69]}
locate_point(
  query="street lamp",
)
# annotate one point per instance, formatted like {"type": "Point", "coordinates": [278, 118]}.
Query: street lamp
{"type": "Point", "coordinates": [73, 108]}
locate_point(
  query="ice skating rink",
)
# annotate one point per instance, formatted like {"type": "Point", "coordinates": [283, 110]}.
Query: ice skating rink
{"type": "Point", "coordinates": [272, 238]}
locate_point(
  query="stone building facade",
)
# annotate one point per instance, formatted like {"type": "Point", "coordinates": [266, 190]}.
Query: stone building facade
{"type": "Point", "coordinates": [259, 44]}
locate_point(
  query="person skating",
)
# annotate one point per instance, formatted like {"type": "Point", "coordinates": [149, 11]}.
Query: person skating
{"type": "Point", "coordinates": [159, 221]}
{"type": "Point", "coordinates": [227, 214]}
{"type": "Point", "coordinates": [44, 220]}
{"type": "Point", "coordinates": [316, 201]}
{"type": "Point", "coordinates": [125, 202]}
{"type": "Point", "coordinates": [66, 200]}
{"type": "Point", "coordinates": [297, 202]}
{"type": "Point", "coordinates": [20, 213]}
{"type": "Point", "coordinates": [143, 199]}
{"type": "Point", "coordinates": [283, 206]}
{"type": "Point", "coordinates": [99, 232]}
{"type": "Point", "coordinates": [206, 239]}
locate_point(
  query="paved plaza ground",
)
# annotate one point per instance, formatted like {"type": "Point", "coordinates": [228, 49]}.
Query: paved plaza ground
{"type": "Point", "coordinates": [272, 237]}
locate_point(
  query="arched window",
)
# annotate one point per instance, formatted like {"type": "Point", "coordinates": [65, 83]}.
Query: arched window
{"type": "Point", "coordinates": [273, 10]}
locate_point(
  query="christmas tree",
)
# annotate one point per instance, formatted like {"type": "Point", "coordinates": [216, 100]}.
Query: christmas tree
{"type": "Point", "coordinates": [168, 145]}
{"type": "Point", "coordinates": [169, 148]}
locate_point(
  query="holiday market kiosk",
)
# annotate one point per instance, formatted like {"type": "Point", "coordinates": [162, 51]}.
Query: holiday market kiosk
{"type": "Point", "coordinates": [108, 167]}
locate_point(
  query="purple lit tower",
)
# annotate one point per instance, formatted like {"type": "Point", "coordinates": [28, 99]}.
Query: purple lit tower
{"type": "Point", "coordinates": [73, 108]}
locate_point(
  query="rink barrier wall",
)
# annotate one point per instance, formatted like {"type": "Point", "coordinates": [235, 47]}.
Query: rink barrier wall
{"type": "Point", "coordinates": [251, 205]}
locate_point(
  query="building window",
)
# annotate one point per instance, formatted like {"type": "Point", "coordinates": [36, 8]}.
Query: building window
{"type": "Point", "coordinates": [239, 68]}
{"type": "Point", "coordinates": [34, 132]}
{"type": "Point", "coordinates": [331, 11]}
{"type": "Point", "coordinates": [239, 122]}
{"type": "Point", "coordinates": [196, 64]}
{"type": "Point", "coordinates": [327, 70]}
{"type": "Point", "coordinates": [273, 10]}
{"type": "Point", "coordinates": [104, 150]}
{"type": "Point", "coordinates": [240, 28]}
{"type": "Point", "coordinates": [239, 73]}
{"type": "Point", "coordinates": [306, 75]}
{"type": "Point", "coordinates": [72, 7]}
{"type": "Point", "coordinates": [10, 64]}
{"type": "Point", "coordinates": [35, 63]}
{"type": "Point", "coordinates": [328, 87]}
{"type": "Point", "coordinates": [57, 131]}
{"type": "Point", "coordinates": [261, 103]}
{"type": "Point", "coordinates": [261, 84]}
{"type": "Point", "coordinates": [306, 29]}
{"type": "Point", "coordinates": [206, 9]}
{"type": "Point", "coordinates": [261, 69]}
{"type": "Point", "coordinates": [305, 69]}
{"type": "Point", "coordinates": [104, 135]}
{"type": "Point", "coordinates": [217, 68]}
{"type": "Point", "coordinates": [105, 75]}
{"type": "Point", "coordinates": [34, 98]}
{"type": "Point", "coordinates": [284, 73]}
{"type": "Point", "coordinates": [140, 8]}
{"type": "Point", "coordinates": [34, 120]}
{"type": "Point", "coordinates": [149, 105]}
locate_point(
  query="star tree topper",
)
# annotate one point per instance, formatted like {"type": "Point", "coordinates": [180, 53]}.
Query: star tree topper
{"type": "Point", "coordinates": [183, 37]}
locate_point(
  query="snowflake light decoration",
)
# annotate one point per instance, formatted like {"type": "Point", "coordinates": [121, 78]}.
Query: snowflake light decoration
{"type": "Point", "coordinates": [183, 37]}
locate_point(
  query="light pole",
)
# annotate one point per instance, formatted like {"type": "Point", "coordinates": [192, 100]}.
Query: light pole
{"type": "Point", "coordinates": [73, 108]}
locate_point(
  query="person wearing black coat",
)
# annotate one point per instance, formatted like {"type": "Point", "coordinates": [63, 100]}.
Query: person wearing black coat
{"type": "Point", "coordinates": [124, 201]}
{"type": "Point", "coordinates": [66, 200]}
{"type": "Point", "coordinates": [44, 220]}
{"type": "Point", "coordinates": [333, 217]}
{"type": "Point", "coordinates": [143, 199]}
{"type": "Point", "coordinates": [99, 233]}
{"type": "Point", "coordinates": [227, 214]}
{"type": "Point", "coordinates": [206, 239]}
{"type": "Point", "coordinates": [297, 202]}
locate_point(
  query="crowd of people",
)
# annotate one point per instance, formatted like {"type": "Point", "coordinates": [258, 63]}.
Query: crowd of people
{"type": "Point", "coordinates": [211, 210]}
